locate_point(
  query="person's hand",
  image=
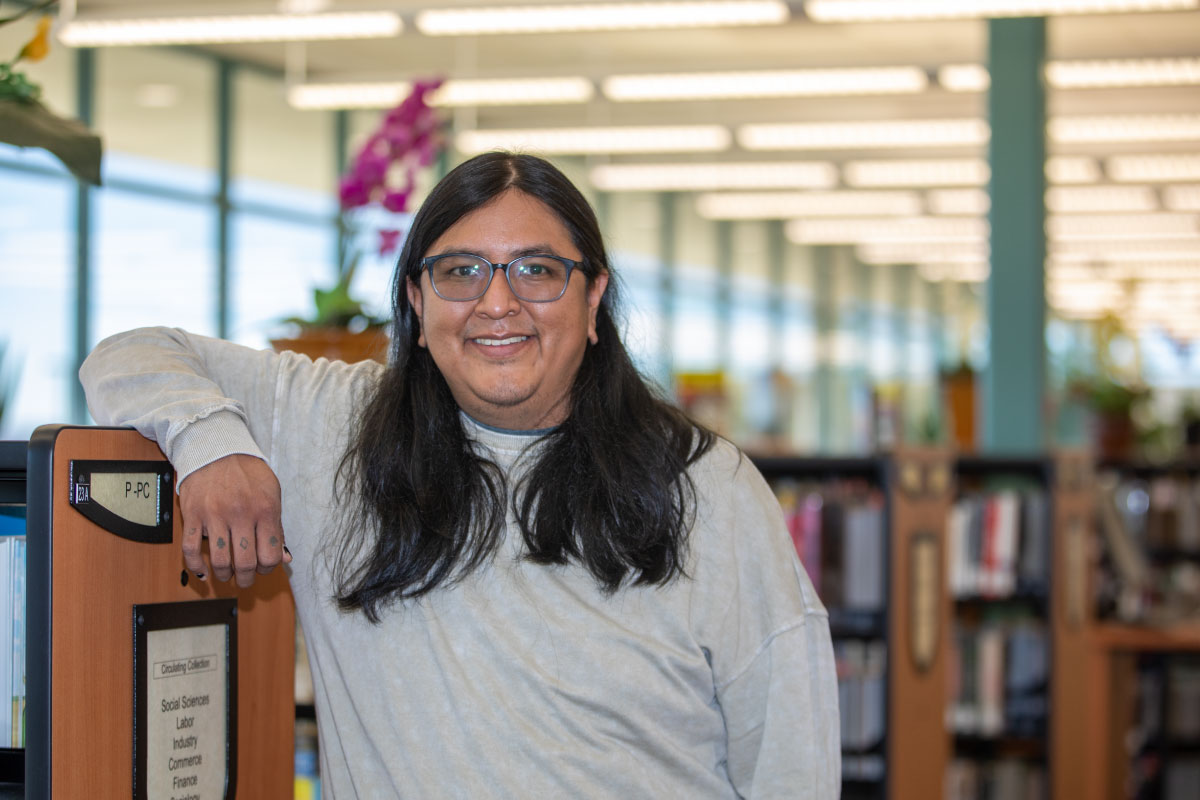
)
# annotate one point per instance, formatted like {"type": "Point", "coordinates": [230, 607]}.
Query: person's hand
{"type": "Point", "coordinates": [234, 503]}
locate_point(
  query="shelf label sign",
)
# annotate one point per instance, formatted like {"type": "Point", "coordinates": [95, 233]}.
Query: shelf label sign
{"type": "Point", "coordinates": [924, 593]}
{"type": "Point", "coordinates": [184, 726]}
{"type": "Point", "coordinates": [185, 709]}
{"type": "Point", "coordinates": [131, 499]}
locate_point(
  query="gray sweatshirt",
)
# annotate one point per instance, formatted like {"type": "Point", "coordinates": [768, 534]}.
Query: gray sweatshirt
{"type": "Point", "coordinates": [522, 681]}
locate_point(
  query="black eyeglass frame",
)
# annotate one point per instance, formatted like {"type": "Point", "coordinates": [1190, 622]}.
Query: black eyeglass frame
{"type": "Point", "coordinates": [428, 261]}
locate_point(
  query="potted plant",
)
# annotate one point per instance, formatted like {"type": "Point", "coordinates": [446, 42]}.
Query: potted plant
{"type": "Point", "coordinates": [383, 176]}
{"type": "Point", "coordinates": [25, 122]}
{"type": "Point", "coordinates": [1112, 404]}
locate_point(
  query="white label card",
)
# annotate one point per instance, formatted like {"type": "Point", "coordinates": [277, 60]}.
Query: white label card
{"type": "Point", "coordinates": [186, 736]}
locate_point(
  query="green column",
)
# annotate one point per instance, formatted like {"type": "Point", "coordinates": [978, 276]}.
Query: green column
{"type": "Point", "coordinates": [224, 114]}
{"type": "Point", "coordinates": [341, 160]}
{"type": "Point", "coordinates": [776, 266]}
{"type": "Point", "coordinates": [1014, 383]}
{"type": "Point", "coordinates": [724, 247]}
{"type": "Point", "coordinates": [666, 288]}
{"type": "Point", "coordinates": [825, 302]}
{"type": "Point", "coordinates": [903, 278]}
{"type": "Point", "coordinates": [85, 91]}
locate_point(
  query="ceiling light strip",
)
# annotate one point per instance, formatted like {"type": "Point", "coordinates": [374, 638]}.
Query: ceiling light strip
{"type": "Point", "coordinates": [601, 17]}
{"type": "Point", "coordinates": [452, 93]}
{"type": "Point", "coordinates": [1182, 198]}
{"type": "Point", "coordinates": [885, 230]}
{"type": "Point", "coordinates": [879, 10]}
{"type": "Point", "coordinates": [779, 83]}
{"type": "Point", "coordinates": [904, 173]}
{"type": "Point", "coordinates": [677, 139]}
{"type": "Point", "coordinates": [1098, 74]}
{"type": "Point", "coordinates": [1124, 128]}
{"type": "Point", "coordinates": [854, 135]}
{"type": "Point", "coordinates": [1088, 199]}
{"type": "Point", "coordinates": [788, 205]}
{"type": "Point", "coordinates": [1124, 72]}
{"type": "Point", "coordinates": [1151, 168]}
{"type": "Point", "coordinates": [713, 176]}
{"type": "Point", "coordinates": [957, 202]}
{"type": "Point", "coordinates": [232, 28]}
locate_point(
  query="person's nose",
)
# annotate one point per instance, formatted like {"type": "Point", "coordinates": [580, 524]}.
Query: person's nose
{"type": "Point", "coordinates": [498, 301]}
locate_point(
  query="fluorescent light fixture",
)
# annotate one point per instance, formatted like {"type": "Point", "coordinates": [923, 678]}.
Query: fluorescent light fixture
{"type": "Point", "coordinates": [1165, 168]}
{"type": "Point", "coordinates": [1118, 226]}
{"type": "Point", "coordinates": [964, 78]}
{"type": "Point", "coordinates": [1091, 199]}
{"type": "Point", "coordinates": [778, 83]}
{"type": "Point", "coordinates": [1124, 72]}
{"type": "Point", "coordinates": [877, 10]}
{"type": "Point", "coordinates": [1182, 198]}
{"type": "Point", "coordinates": [1085, 74]}
{"type": "Point", "coordinates": [1124, 250]}
{"type": "Point", "coordinates": [452, 93]}
{"type": "Point", "coordinates": [787, 205]}
{"type": "Point", "coordinates": [1124, 128]}
{"type": "Point", "coordinates": [1138, 270]}
{"type": "Point", "coordinates": [713, 176]}
{"type": "Point", "coordinates": [644, 139]}
{"type": "Point", "coordinates": [881, 230]}
{"type": "Point", "coordinates": [938, 272]}
{"type": "Point", "coordinates": [1072, 169]}
{"type": "Point", "coordinates": [941, 172]}
{"type": "Point", "coordinates": [957, 202]}
{"type": "Point", "coordinates": [922, 253]}
{"type": "Point", "coordinates": [232, 28]}
{"type": "Point", "coordinates": [601, 17]}
{"type": "Point", "coordinates": [860, 135]}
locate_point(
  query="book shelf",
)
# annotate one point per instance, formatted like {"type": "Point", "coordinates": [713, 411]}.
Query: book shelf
{"type": "Point", "coordinates": [894, 629]}
{"type": "Point", "coordinates": [1020, 534]}
{"type": "Point", "coordinates": [1142, 678]}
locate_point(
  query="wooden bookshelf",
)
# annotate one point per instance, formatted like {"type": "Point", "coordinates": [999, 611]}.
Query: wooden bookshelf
{"type": "Point", "coordinates": [916, 486]}
{"type": "Point", "coordinates": [1104, 698]}
{"type": "Point", "coordinates": [84, 582]}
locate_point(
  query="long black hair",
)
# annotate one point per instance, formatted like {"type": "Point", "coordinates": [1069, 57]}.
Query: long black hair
{"type": "Point", "coordinates": [608, 489]}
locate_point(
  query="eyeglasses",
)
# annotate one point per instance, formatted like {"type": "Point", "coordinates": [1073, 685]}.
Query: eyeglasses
{"type": "Point", "coordinates": [534, 279]}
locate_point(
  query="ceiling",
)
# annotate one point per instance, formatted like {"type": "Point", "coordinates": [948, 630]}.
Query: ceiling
{"type": "Point", "coordinates": [797, 44]}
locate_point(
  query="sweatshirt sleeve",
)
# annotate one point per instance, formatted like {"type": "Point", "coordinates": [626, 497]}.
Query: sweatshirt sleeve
{"type": "Point", "coordinates": [199, 398]}
{"type": "Point", "coordinates": [781, 717]}
{"type": "Point", "coordinates": [767, 638]}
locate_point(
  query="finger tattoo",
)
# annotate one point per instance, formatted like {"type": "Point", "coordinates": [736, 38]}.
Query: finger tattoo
{"type": "Point", "coordinates": [274, 541]}
{"type": "Point", "coordinates": [220, 542]}
{"type": "Point", "coordinates": [243, 543]}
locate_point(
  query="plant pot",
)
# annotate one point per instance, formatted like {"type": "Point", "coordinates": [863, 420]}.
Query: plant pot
{"type": "Point", "coordinates": [337, 344]}
{"type": "Point", "coordinates": [1113, 436]}
{"type": "Point", "coordinates": [958, 398]}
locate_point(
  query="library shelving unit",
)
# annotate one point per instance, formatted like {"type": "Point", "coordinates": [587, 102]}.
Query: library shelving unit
{"type": "Point", "coordinates": [1020, 536]}
{"type": "Point", "coordinates": [905, 615]}
{"type": "Point", "coordinates": [1129, 666]}
{"type": "Point", "coordinates": [142, 681]}
{"type": "Point", "coordinates": [12, 507]}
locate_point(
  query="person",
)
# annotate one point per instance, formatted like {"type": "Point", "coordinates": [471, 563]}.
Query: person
{"type": "Point", "coordinates": [520, 573]}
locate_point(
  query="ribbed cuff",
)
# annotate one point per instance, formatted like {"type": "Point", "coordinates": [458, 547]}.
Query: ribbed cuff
{"type": "Point", "coordinates": [221, 434]}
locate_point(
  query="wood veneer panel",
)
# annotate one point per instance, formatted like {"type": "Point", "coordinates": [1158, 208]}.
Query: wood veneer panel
{"type": "Point", "coordinates": [919, 744]}
{"type": "Point", "coordinates": [1072, 712]}
{"type": "Point", "coordinates": [97, 578]}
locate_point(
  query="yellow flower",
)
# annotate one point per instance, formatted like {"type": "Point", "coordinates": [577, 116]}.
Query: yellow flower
{"type": "Point", "coordinates": [37, 47]}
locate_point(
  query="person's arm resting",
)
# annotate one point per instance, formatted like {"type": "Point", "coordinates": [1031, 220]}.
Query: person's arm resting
{"type": "Point", "coordinates": [209, 404]}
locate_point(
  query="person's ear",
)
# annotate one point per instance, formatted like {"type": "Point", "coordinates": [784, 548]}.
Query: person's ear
{"type": "Point", "coordinates": [595, 294]}
{"type": "Point", "coordinates": [415, 300]}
